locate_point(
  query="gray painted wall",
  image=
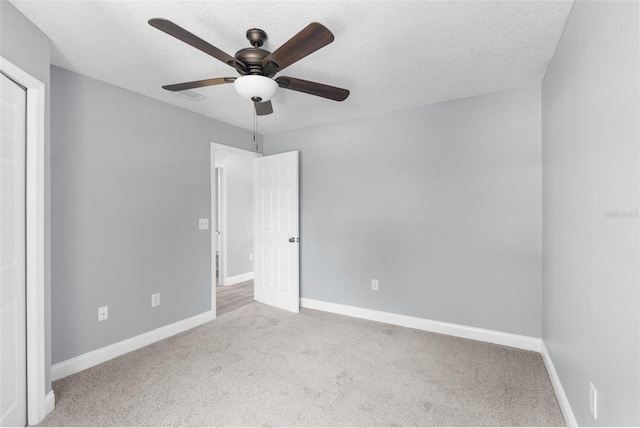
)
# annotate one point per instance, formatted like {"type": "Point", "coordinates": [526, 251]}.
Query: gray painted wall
{"type": "Point", "coordinates": [591, 301]}
{"type": "Point", "coordinates": [440, 203]}
{"type": "Point", "coordinates": [239, 182]}
{"type": "Point", "coordinates": [130, 178]}
{"type": "Point", "coordinates": [27, 47]}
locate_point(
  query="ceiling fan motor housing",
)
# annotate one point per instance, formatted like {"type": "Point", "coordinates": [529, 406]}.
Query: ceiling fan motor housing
{"type": "Point", "coordinates": [252, 57]}
{"type": "Point", "coordinates": [252, 60]}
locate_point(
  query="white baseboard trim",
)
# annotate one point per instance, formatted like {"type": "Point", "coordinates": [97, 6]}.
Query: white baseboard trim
{"type": "Point", "coordinates": [563, 401]}
{"type": "Point", "coordinates": [49, 403]}
{"type": "Point", "coordinates": [90, 359]}
{"type": "Point", "coordinates": [483, 335]}
{"type": "Point", "coordinates": [237, 279]}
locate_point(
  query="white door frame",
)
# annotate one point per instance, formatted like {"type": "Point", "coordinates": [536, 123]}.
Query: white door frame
{"type": "Point", "coordinates": [222, 211]}
{"type": "Point", "coordinates": [216, 147]}
{"type": "Point", "coordinates": [38, 402]}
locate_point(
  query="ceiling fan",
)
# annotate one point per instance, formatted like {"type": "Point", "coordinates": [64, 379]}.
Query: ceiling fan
{"type": "Point", "coordinates": [257, 66]}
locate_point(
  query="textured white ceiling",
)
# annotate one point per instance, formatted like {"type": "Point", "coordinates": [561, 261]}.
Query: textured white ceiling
{"type": "Point", "coordinates": [391, 55]}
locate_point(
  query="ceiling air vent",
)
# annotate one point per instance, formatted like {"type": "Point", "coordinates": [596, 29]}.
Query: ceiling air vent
{"type": "Point", "coordinates": [192, 95]}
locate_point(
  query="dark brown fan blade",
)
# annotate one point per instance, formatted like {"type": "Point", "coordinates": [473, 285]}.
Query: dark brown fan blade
{"type": "Point", "coordinates": [313, 37]}
{"type": "Point", "coordinates": [181, 34]}
{"type": "Point", "coordinates": [313, 88]}
{"type": "Point", "coordinates": [263, 109]}
{"type": "Point", "coordinates": [199, 83]}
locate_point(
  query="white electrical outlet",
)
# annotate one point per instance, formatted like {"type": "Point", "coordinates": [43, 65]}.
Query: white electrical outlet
{"type": "Point", "coordinates": [374, 284]}
{"type": "Point", "coordinates": [203, 223]}
{"type": "Point", "coordinates": [103, 313]}
{"type": "Point", "coordinates": [593, 400]}
{"type": "Point", "coordinates": [155, 300]}
{"type": "Point", "coordinates": [250, 257]}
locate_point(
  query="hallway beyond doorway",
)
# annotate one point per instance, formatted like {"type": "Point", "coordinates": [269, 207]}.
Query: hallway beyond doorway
{"type": "Point", "coordinates": [233, 297]}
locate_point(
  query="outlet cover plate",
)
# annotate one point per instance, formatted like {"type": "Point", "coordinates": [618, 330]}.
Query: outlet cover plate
{"type": "Point", "coordinates": [593, 400]}
{"type": "Point", "coordinates": [103, 313]}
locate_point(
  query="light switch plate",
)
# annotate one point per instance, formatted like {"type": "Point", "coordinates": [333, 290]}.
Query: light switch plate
{"type": "Point", "coordinates": [203, 223]}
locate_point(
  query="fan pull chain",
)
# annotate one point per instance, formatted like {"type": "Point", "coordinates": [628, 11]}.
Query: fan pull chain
{"type": "Point", "coordinates": [255, 128]}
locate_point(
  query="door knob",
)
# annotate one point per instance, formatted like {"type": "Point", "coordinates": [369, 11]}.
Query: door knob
{"type": "Point", "coordinates": [292, 239]}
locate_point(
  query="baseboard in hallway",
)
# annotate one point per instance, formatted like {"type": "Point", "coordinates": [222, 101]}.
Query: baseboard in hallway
{"type": "Point", "coordinates": [237, 279]}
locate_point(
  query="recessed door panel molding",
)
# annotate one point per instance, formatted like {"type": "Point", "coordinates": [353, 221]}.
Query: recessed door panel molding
{"type": "Point", "coordinates": [284, 281]}
{"type": "Point", "coordinates": [9, 314]}
{"type": "Point", "coordinates": [284, 198]}
{"type": "Point", "coordinates": [267, 201]}
{"type": "Point", "coordinates": [7, 248]}
{"type": "Point", "coordinates": [268, 271]}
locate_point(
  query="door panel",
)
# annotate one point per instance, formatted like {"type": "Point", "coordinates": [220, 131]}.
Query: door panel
{"type": "Point", "coordinates": [276, 217]}
{"type": "Point", "coordinates": [13, 370]}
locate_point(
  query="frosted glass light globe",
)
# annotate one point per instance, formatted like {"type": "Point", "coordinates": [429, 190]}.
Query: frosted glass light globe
{"type": "Point", "coordinates": [256, 88]}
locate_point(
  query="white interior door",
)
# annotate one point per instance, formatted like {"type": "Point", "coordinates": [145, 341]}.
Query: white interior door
{"type": "Point", "coordinates": [276, 238]}
{"type": "Point", "coordinates": [13, 333]}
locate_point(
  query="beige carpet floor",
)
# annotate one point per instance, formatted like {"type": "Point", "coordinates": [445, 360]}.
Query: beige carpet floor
{"type": "Point", "coordinates": [260, 366]}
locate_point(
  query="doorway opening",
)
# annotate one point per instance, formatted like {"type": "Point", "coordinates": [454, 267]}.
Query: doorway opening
{"type": "Point", "coordinates": [232, 235]}
{"type": "Point", "coordinates": [274, 215]}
